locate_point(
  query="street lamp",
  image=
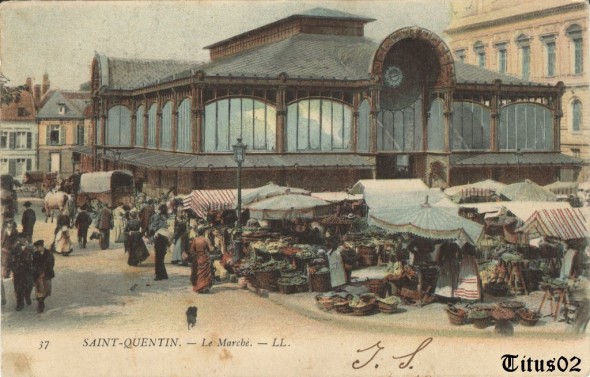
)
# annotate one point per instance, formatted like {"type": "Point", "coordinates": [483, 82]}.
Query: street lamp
{"type": "Point", "coordinates": [239, 157]}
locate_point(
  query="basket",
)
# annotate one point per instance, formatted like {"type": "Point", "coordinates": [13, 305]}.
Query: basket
{"type": "Point", "coordinates": [266, 279]}
{"type": "Point", "coordinates": [320, 282]}
{"type": "Point", "coordinates": [512, 305]}
{"type": "Point", "coordinates": [386, 307]}
{"type": "Point", "coordinates": [481, 323]}
{"type": "Point", "coordinates": [499, 313]}
{"type": "Point", "coordinates": [527, 317]}
{"type": "Point", "coordinates": [377, 287]}
{"type": "Point", "coordinates": [343, 307]}
{"type": "Point", "coordinates": [325, 303]}
{"type": "Point", "coordinates": [456, 316]}
{"type": "Point", "coordinates": [363, 309]}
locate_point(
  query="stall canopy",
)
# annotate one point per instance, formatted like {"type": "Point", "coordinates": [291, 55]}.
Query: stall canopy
{"type": "Point", "coordinates": [428, 222]}
{"type": "Point", "coordinates": [290, 206]}
{"type": "Point", "coordinates": [563, 188]}
{"type": "Point", "coordinates": [103, 181]}
{"type": "Point", "coordinates": [268, 191]}
{"type": "Point", "coordinates": [565, 224]}
{"type": "Point", "coordinates": [389, 185]}
{"type": "Point", "coordinates": [336, 196]}
{"type": "Point", "coordinates": [391, 201]}
{"type": "Point", "coordinates": [485, 187]}
{"type": "Point", "coordinates": [527, 191]}
{"type": "Point", "coordinates": [522, 210]}
{"type": "Point", "coordinates": [203, 201]}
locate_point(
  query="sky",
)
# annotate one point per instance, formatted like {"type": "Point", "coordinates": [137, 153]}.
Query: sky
{"type": "Point", "coordinates": [60, 37]}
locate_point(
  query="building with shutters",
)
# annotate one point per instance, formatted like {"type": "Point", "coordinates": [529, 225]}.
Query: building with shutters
{"type": "Point", "coordinates": [544, 41]}
{"type": "Point", "coordinates": [18, 133]}
{"type": "Point", "coordinates": [320, 106]}
{"type": "Point", "coordinates": [60, 123]}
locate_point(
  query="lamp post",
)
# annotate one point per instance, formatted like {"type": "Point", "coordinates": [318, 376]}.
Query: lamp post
{"type": "Point", "coordinates": [239, 156]}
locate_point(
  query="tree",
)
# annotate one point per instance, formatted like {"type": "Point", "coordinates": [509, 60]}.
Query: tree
{"type": "Point", "coordinates": [10, 94]}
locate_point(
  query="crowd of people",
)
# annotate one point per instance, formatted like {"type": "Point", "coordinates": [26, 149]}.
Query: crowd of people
{"type": "Point", "coordinates": [31, 264]}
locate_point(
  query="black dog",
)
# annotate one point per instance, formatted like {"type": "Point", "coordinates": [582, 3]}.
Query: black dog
{"type": "Point", "coordinates": [191, 316]}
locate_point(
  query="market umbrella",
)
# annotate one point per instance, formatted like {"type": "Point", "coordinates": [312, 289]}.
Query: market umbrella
{"type": "Point", "coordinates": [426, 221]}
{"type": "Point", "coordinates": [270, 190]}
{"type": "Point", "coordinates": [489, 185]}
{"type": "Point", "coordinates": [289, 206]}
{"type": "Point", "coordinates": [562, 188]}
{"type": "Point", "coordinates": [527, 191]}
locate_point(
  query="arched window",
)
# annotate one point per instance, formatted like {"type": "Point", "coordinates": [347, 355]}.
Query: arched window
{"type": "Point", "coordinates": [118, 130]}
{"type": "Point", "coordinates": [400, 130]}
{"type": "Point", "coordinates": [471, 126]}
{"type": "Point", "coordinates": [152, 114]}
{"type": "Point", "coordinates": [525, 126]}
{"type": "Point", "coordinates": [362, 139]}
{"type": "Point", "coordinates": [166, 131]}
{"type": "Point", "coordinates": [228, 119]}
{"type": "Point", "coordinates": [318, 125]}
{"type": "Point", "coordinates": [576, 115]}
{"type": "Point", "coordinates": [183, 134]}
{"type": "Point", "coordinates": [436, 126]}
{"type": "Point", "coordinates": [139, 126]}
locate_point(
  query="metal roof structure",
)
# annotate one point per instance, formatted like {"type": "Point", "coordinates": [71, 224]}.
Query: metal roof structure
{"type": "Point", "coordinates": [170, 160]}
{"type": "Point", "coordinates": [305, 56]}
{"type": "Point", "coordinates": [513, 158]}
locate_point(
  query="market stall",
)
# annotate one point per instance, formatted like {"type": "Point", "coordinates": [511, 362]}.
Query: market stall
{"type": "Point", "coordinates": [527, 191]}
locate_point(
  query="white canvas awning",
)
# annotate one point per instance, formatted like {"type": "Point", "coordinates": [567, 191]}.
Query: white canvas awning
{"type": "Point", "coordinates": [102, 181]}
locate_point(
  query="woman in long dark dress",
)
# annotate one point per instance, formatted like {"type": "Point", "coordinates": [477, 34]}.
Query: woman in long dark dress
{"type": "Point", "coordinates": [134, 245]}
{"type": "Point", "coordinates": [161, 244]}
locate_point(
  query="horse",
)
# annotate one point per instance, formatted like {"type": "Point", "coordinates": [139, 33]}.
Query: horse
{"type": "Point", "coordinates": [54, 200]}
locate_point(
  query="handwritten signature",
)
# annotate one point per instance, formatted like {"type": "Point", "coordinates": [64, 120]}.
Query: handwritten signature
{"type": "Point", "coordinates": [374, 350]}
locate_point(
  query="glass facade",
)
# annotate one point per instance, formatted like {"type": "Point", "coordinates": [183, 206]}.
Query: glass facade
{"type": "Point", "coordinates": [228, 119]}
{"type": "Point", "coordinates": [525, 126]}
{"type": "Point", "coordinates": [471, 127]}
{"type": "Point", "coordinates": [318, 125]}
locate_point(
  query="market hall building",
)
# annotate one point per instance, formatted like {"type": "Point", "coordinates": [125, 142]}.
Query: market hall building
{"type": "Point", "coordinates": [320, 107]}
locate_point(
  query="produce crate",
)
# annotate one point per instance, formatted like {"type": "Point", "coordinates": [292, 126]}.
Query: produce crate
{"type": "Point", "coordinates": [266, 279]}
{"type": "Point", "coordinates": [379, 287]}
{"type": "Point", "coordinates": [287, 288]}
{"type": "Point", "coordinates": [320, 282]}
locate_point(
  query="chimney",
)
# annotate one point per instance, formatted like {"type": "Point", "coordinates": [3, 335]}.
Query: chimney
{"type": "Point", "coordinates": [45, 87]}
{"type": "Point", "coordinates": [29, 85]}
{"type": "Point", "coordinates": [37, 94]}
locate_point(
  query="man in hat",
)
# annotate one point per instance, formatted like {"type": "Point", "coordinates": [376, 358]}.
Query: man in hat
{"type": "Point", "coordinates": [43, 263]}
{"type": "Point", "coordinates": [105, 224]}
{"type": "Point", "coordinates": [82, 223]}
{"type": "Point", "coordinates": [20, 263]}
{"type": "Point", "coordinates": [28, 220]}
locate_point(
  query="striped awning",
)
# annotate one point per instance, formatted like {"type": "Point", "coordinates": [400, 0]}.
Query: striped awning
{"type": "Point", "coordinates": [562, 223]}
{"type": "Point", "coordinates": [203, 201]}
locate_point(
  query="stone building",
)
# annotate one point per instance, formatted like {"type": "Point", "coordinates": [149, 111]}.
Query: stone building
{"type": "Point", "coordinates": [320, 106]}
{"type": "Point", "coordinates": [61, 126]}
{"type": "Point", "coordinates": [18, 131]}
{"type": "Point", "coordinates": [544, 41]}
